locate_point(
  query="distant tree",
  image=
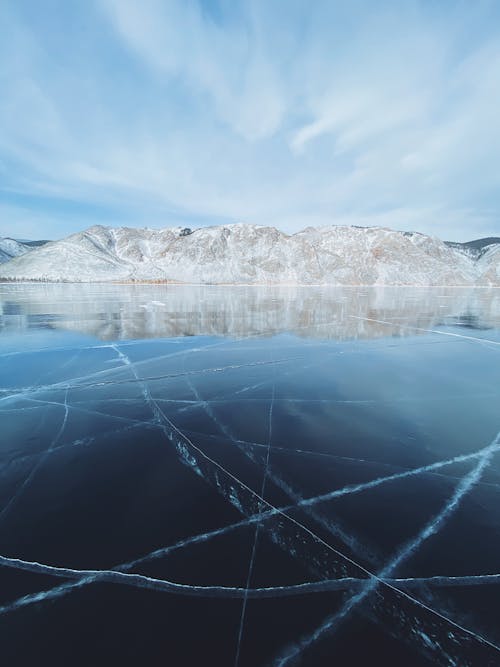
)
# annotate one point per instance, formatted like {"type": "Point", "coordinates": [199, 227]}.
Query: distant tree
{"type": "Point", "coordinates": [186, 231]}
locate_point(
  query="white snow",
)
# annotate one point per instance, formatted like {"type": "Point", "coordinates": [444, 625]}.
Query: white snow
{"type": "Point", "coordinates": [10, 248]}
{"type": "Point", "coordinates": [250, 254]}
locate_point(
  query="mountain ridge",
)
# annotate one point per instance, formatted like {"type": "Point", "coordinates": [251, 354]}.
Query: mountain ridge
{"type": "Point", "coordinates": [256, 254]}
{"type": "Point", "coordinates": [10, 248]}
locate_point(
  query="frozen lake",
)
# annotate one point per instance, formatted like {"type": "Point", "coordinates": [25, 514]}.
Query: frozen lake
{"type": "Point", "coordinates": [249, 476]}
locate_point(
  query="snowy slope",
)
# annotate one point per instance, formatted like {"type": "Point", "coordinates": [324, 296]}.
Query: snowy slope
{"type": "Point", "coordinates": [256, 255]}
{"type": "Point", "coordinates": [10, 248]}
{"type": "Point", "coordinates": [477, 248]}
{"type": "Point", "coordinates": [489, 265]}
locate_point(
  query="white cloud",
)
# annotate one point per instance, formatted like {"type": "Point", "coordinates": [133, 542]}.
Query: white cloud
{"type": "Point", "coordinates": [324, 113]}
{"type": "Point", "coordinates": [178, 40]}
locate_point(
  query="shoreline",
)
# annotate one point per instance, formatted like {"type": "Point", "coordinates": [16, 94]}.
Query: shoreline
{"type": "Point", "coordinates": [274, 285]}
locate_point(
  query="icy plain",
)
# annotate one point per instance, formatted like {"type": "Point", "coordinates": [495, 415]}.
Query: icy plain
{"type": "Point", "coordinates": [249, 476]}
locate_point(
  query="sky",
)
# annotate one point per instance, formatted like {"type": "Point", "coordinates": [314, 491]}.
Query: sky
{"type": "Point", "coordinates": [290, 113]}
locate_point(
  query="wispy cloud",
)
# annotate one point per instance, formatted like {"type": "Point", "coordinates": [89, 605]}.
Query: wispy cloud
{"type": "Point", "coordinates": [157, 113]}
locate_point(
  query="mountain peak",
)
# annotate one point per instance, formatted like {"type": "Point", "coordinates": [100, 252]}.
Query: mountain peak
{"type": "Point", "coordinates": [257, 254]}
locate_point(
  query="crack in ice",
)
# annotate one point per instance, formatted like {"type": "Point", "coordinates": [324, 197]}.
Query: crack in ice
{"type": "Point", "coordinates": [14, 499]}
{"type": "Point", "coordinates": [164, 551]}
{"type": "Point", "coordinates": [167, 376]}
{"type": "Point", "coordinates": [259, 517]}
{"type": "Point", "coordinates": [466, 485]}
{"type": "Point", "coordinates": [257, 527]}
{"type": "Point", "coordinates": [476, 339]}
{"type": "Point", "coordinates": [79, 442]}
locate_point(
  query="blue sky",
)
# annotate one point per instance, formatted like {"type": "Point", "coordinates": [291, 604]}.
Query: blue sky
{"type": "Point", "coordinates": [282, 112]}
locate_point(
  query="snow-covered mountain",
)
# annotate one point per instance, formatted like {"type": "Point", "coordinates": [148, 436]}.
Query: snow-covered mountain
{"type": "Point", "coordinates": [477, 248]}
{"type": "Point", "coordinates": [10, 248]}
{"type": "Point", "coordinates": [250, 254]}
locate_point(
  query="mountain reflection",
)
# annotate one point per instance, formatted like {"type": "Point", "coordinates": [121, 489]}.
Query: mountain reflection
{"type": "Point", "coordinates": [153, 311]}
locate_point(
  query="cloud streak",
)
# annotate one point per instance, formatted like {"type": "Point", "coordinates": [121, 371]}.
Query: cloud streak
{"type": "Point", "coordinates": [162, 113]}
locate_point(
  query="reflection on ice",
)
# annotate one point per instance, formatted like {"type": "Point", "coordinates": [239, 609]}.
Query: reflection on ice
{"type": "Point", "coordinates": [297, 466]}
{"type": "Point", "coordinates": [112, 312]}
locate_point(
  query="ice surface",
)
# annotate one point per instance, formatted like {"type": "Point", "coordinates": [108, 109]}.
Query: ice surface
{"type": "Point", "coordinates": [287, 470]}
